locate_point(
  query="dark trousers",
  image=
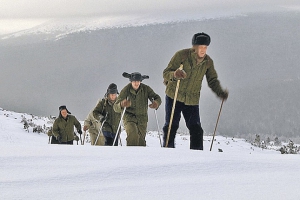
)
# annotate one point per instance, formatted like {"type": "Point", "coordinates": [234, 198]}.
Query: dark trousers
{"type": "Point", "coordinates": [192, 120]}
{"type": "Point", "coordinates": [109, 138]}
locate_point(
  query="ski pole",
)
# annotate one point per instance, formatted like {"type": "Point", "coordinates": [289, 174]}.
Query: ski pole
{"type": "Point", "coordinates": [173, 108]}
{"type": "Point", "coordinates": [117, 134]}
{"type": "Point", "coordinates": [77, 136]}
{"type": "Point", "coordinates": [120, 132]}
{"type": "Point", "coordinates": [100, 130]}
{"type": "Point", "coordinates": [49, 140]}
{"type": "Point", "coordinates": [216, 125]}
{"type": "Point", "coordinates": [84, 134]}
{"type": "Point", "coordinates": [80, 139]}
{"type": "Point", "coordinates": [158, 128]}
{"type": "Point", "coordinates": [157, 125]}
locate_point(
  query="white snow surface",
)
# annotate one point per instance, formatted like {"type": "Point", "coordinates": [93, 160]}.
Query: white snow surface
{"type": "Point", "coordinates": [30, 168]}
{"type": "Point", "coordinates": [60, 28]}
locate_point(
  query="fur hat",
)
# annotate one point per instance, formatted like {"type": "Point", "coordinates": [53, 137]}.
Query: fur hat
{"type": "Point", "coordinates": [63, 108]}
{"type": "Point", "coordinates": [201, 39]}
{"type": "Point", "coordinates": [135, 76]}
{"type": "Point", "coordinates": [112, 89]}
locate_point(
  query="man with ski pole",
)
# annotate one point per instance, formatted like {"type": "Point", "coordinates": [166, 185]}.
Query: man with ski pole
{"type": "Point", "coordinates": [63, 126]}
{"type": "Point", "coordinates": [134, 99]}
{"type": "Point", "coordinates": [109, 119]}
{"type": "Point", "coordinates": [183, 79]}
{"type": "Point", "coordinates": [93, 126]}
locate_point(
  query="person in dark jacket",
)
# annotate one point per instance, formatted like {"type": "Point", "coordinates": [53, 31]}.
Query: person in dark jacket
{"type": "Point", "coordinates": [196, 64]}
{"type": "Point", "coordinates": [63, 126]}
{"type": "Point", "coordinates": [134, 97]}
{"type": "Point", "coordinates": [105, 113]}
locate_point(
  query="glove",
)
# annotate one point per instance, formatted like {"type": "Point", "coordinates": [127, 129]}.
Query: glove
{"type": "Point", "coordinates": [224, 95]}
{"type": "Point", "coordinates": [76, 137]}
{"type": "Point", "coordinates": [179, 74]}
{"type": "Point", "coordinates": [85, 128]}
{"type": "Point", "coordinates": [125, 103]}
{"type": "Point", "coordinates": [58, 138]}
{"type": "Point", "coordinates": [79, 131]}
{"type": "Point", "coordinates": [153, 105]}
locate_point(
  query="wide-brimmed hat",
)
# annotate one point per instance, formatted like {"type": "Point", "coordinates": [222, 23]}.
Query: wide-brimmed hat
{"type": "Point", "coordinates": [63, 108]}
{"type": "Point", "coordinates": [201, 39]}
{"type": "Point", "coordinates": [135, 76]}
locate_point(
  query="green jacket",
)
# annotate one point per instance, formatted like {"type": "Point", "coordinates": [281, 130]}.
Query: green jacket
{"type": "Point", "coordinates": [189, 88]}
{"type": "Point", "coordinates": [113, 118]}
{"type": "Point", "coordinates": [92, 124]}
{"type": "Point", "coordinates": [138, 111]}
{"type": "Point", "coordinates": [65, 128]}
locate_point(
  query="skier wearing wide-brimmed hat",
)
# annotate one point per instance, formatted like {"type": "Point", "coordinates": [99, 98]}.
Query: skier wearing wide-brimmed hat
{"type": "Point", "coordinates": [183, 79]}
{"type": "Point", "coordinates": [134, 99]}
{"type": "Point", "coordinates": [108, 118]}
{"type": "Point", "coordinates": [63, 126]}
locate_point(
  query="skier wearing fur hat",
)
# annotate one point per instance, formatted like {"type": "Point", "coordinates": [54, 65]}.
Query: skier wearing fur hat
{"type": "Point", "coordinates": [104, 113]}
{"type": "Point", "coordinates": [63, 126]}
{"type": "Point", "coordinates": [196, 63]}
{"type": "Point", "coordinates": [134, 97]}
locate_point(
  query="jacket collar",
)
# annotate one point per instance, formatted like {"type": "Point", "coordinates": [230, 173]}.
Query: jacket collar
{"type": "Point", "coordinates": [135, 92]}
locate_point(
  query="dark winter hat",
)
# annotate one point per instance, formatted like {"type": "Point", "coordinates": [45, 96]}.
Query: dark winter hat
{"type": "Point", "coordinates": [201, 39]}
{"type": "Point", "coordinates": [135, 76]}
{"type": "Point", "coordinates": [63, 108]}
{"type": "Point", "coordinates": [112, 89]}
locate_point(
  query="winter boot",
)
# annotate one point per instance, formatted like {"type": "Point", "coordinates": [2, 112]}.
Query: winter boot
{"type": "Point", "coordinates": [196, 137]}
{"type": "Point", "coordinates": [171, 142]}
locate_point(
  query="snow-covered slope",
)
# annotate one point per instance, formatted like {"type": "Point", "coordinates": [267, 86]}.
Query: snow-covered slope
{"type": "Point", "coordinates": [70, 16]}
{"type": "Point", "coordinates": [12, 131]}
{"type": "Point", "coordinates": [54, 29]}
{"type": "Point", "coordinates": [59, 28]}
{"type": "Point", "coordinates": [33, 169]}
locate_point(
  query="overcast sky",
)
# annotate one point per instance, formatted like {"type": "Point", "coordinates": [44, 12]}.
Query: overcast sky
{"type": "Point", "coordinates": [21, 14]}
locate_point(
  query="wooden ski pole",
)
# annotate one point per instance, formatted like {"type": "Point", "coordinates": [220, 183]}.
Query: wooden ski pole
{"type": "Point", "coordinates": [173, 108]}
{"type": "Point", "coordinates": [216, 125]}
